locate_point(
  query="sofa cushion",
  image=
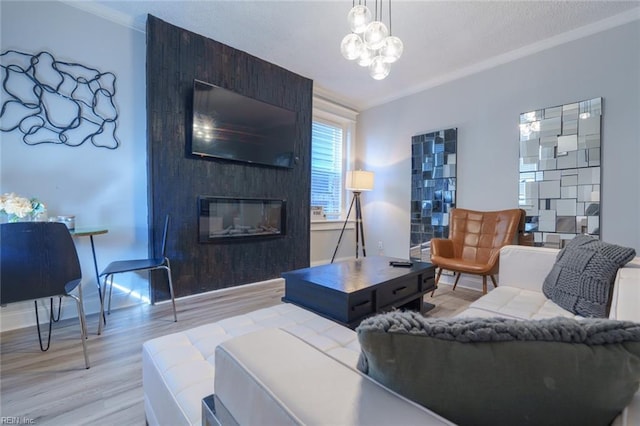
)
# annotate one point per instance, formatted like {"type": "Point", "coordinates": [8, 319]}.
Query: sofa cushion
{"type": "Point", "coordinates": [271, 377]}
{"type": "Point", "coordinates": [477, 371]}
{"type": "Point", "coordinates": [517, 303]}
{"type": "Point", "coordinates": [581, 280]}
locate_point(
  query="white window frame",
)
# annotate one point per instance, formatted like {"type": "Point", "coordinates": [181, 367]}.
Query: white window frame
{"type": "Point", "coordinates": [328, 112]}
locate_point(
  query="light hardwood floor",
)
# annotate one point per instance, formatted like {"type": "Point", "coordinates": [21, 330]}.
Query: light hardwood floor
{"type": "Point", "coordinates": [54, 388]}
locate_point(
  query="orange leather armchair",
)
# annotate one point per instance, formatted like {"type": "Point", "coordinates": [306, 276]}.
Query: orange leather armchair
{"type": "Point", "coordinates": [474, 242]}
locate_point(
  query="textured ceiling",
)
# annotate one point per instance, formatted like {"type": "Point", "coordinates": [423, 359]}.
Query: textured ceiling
{"type": "Point", "coordinates": [442, 39]}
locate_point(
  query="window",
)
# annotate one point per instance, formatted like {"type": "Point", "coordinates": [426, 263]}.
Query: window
{"type": "Point", "coordinates": [327, 142]}
{"type": "Point", "coordinates": [332, 152]}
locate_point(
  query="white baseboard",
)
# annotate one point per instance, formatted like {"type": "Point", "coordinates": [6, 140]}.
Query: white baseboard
{"type": "Point", "coordinates": [22, 314]}
{"type": "Point", "coordinates": [242, 287]}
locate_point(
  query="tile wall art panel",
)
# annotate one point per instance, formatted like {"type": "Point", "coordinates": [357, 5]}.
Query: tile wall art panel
{"type": "Point", "coordinates": [433, 188]}
{"type": "Point", "coordinates": [560, 171]}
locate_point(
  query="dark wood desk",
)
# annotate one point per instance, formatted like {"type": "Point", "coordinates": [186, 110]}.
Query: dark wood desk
{"type": "Point", "coordinates": [349, 291]}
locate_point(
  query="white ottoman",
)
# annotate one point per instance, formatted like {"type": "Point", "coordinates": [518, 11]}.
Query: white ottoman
{"type": "Point", "coordinates": [178, 369]}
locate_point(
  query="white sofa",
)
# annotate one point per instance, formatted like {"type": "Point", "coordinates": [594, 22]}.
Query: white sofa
{"type": "Point", "coordinates": [286, 365]}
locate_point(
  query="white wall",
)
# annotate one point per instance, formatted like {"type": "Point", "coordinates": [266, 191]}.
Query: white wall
{"type": "Point", "coordinates": [485, 107]}
{"type": "Point", "coordinates": [101, 187]}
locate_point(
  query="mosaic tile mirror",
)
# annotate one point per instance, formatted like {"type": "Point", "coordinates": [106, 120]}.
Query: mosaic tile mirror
{"type": "Point", "coordinates": [560, 171]}
{"type": "Point", "coordinates": [433, 188]}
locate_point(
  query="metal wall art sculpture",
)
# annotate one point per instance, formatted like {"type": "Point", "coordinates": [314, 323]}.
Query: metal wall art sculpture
{"type": "Point", "coordinates": [51, 101]}
{"type": "Point", "coordinates": [560, 171]}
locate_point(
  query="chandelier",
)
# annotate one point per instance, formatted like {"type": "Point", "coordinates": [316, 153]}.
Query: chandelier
{"type": "Point", "coordinates": [370, 42]}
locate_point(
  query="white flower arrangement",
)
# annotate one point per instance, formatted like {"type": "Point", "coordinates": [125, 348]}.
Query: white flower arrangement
{"type": "Point", "coordinates": [17, 207]}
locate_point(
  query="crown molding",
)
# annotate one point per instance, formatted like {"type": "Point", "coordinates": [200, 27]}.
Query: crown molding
{"type": "Point", "coordinates": [104, 12]}
{"type": "Point", "coordinates": [542, 45]}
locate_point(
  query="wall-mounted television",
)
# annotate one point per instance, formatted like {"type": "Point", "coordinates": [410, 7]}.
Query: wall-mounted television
{"type": "Point", "coordinates": [235, 127]}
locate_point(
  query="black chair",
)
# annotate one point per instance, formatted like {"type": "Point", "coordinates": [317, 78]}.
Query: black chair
{"type": "Point", "coordinates": [39, 260]}
{"type": "Point", "coordinates": [121, 266]}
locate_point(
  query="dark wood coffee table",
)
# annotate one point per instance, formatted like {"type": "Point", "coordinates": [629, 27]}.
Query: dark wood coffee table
{"type": "Point", "coordinates": [348, 292]}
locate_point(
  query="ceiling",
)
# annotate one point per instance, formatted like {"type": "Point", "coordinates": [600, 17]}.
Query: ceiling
{"type": "Point", "coordinates": [443, 40]}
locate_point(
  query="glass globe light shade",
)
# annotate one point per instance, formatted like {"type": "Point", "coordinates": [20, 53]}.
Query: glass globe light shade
{"type": "Point", "coordinates": [391, 49]}
{"type": "Point", "coordinates": [375, 34]}
{"type": "Point", "coordinates": [366, 56]}
{"type": "Point", "coordinates": [359, 17]}
{"type": "Point", "coordinates": [379, 69]}
{"type": "Point", "coordinates": [351, 46]}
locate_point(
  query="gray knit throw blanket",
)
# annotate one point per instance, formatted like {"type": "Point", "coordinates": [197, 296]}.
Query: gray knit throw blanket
{"type": "Point", "coordinates": [596, 331]}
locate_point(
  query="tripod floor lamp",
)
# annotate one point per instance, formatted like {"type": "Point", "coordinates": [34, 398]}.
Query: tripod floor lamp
{"type": "Point", "coordinates": [357, 181]}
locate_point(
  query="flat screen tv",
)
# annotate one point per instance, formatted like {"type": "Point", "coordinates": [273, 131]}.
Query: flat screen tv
{"type": "Point", "coordinates": [235, 127]}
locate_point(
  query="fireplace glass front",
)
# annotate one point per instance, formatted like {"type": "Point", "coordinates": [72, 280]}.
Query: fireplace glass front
{"type": "Point", "coordinates": [225, 218]}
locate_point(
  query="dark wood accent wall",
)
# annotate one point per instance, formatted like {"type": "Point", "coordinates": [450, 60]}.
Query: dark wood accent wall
{"type": "Point", "coordinates": [175, 57]}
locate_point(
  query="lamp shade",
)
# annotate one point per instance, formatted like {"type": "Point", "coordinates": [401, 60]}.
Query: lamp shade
{"type": "Point", "coordinates": [359, 180]}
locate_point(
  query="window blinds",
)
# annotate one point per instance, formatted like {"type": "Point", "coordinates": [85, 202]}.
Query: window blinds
{"type": "Point", "coordinates": [326, 168]}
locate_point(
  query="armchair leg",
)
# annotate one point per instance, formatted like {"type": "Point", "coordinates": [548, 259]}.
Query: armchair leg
{"type": "Point", "coordinates": [455, 283]}
{"type": "Point", "coordinates": [438, 275]}
{"type": "Point", "coordinates": [436, 281]}
{"type": "Point", "coordinates": [493, 279]}
{"type": "Point", "coordinates": [484, 284]}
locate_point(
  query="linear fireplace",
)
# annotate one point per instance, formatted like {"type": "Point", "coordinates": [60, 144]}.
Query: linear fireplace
{"type": "Point", "coordinates": [227, 218]}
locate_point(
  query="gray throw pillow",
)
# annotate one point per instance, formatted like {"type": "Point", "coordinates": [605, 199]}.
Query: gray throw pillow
{"type": "Point", "coordinates": [581, 280]}
{"type": "Point", "coordinates": [497, 371]}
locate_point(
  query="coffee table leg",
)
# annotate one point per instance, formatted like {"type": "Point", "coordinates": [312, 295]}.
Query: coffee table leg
{"type": "Point", "coordinates": [426, 307]}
